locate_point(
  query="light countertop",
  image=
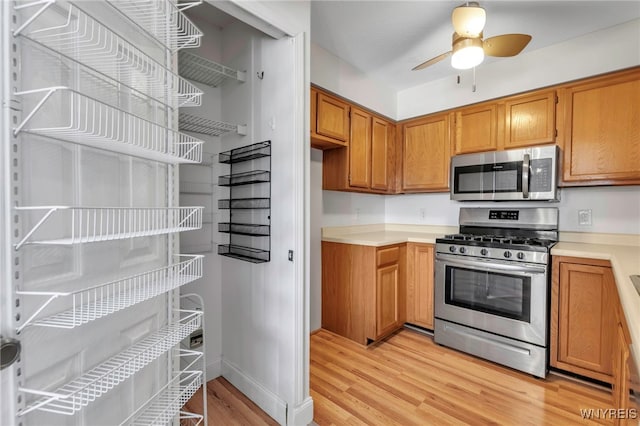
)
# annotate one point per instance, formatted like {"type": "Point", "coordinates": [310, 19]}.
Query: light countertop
{"type": "Point", "coordinates": [623, 251]}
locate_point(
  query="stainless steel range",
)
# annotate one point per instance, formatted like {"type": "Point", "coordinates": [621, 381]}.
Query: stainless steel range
{"type": "Point", "coordinates": [492, 286]}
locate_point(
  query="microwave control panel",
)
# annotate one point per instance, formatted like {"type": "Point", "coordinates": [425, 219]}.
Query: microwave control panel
{"type": "Point", "coordinates": [540, 175]}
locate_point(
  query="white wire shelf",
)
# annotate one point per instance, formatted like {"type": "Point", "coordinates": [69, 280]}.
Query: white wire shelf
{"type": "Point", "coordinates": [162, 20]}
{"type": "Point", "coordinates": [82, 38]}
{"type": "Point", "coordinates": [101, 300]}
{"type": "Point", "coordinates": [205, 126]}
{"type": "Point", "coordinates": [93, 224]}
{"type": "Point", "coordinates": [73, 396]}
{"type": "Point", "coordinates": [205, 71]}
{"type": "Point", "coordinates": [65, 114]}
{"type": "Point", "coordinates": [163, 407]}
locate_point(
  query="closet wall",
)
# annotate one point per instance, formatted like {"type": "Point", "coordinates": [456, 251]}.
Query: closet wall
{"type": "Point", "coordinates": [256, 317]}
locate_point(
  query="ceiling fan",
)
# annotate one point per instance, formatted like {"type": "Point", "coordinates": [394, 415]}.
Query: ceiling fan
{"type": "Point", "coordinates": [468, 48]}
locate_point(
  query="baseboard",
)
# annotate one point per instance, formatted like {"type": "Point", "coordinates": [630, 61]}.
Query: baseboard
{"type": "Point", "coordinates": [269, 402]}
{"type": "Point", "coordinates": [302, 414]}
{"type": "Point", "coordinates": [214, 369]}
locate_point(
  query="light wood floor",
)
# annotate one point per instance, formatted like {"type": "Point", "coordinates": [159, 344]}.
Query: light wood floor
{"type": "Point", "coordinates": [227, 406]}
{"type": "Point", "coordinates": [409, 380]}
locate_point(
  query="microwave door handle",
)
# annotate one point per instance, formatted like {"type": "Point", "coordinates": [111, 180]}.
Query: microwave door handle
{"type": "Point", "coordinates": [525, 176]}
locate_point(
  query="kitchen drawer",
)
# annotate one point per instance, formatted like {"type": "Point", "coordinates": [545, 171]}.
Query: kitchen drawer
{"type": "Point", "coordinates": [387, 255]}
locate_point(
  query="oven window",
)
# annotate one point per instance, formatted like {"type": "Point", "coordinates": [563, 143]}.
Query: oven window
{"type": "Point", "coordinates": [505, 295]}
{"type": "Point", "coordinates": [488, 178]}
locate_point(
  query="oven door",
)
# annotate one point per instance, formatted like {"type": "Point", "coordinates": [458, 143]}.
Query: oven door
{"type": "Point", "coordinates": [506, 298]}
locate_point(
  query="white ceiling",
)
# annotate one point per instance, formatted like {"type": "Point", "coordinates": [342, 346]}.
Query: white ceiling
{"type": "Point", "coordinates": [385, 39]}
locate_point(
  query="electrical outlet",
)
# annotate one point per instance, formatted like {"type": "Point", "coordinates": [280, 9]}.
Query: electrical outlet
{"type": "Point", "coordinates": [584, 217]}
{"type": "Point", "coordinates": [358, 210]}
{"type": "Point", "coordinates": [423, 213]}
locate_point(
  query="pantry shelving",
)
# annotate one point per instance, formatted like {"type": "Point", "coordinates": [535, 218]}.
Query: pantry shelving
{"type": "Point", "coordinates": [91, 134]}
{"type": "Point", "coordinates": [71, 32]}
{"type": "Point", "coordinates": [89, 122]}
{"type": "Point", "coordinates": [249, 225]}
{"type": "Point", "coordinates": [78, 393]}
{"type": "Point", "coordinates": [95, 302]}
{"type": "Point", "coordinates": [206, 126]}
{"type": "Point", "coordinates": [94, 224]}
{"type": "Point", "coordinates": [162, 20]}
{"type": "Point", "coordinates": [205, 71]}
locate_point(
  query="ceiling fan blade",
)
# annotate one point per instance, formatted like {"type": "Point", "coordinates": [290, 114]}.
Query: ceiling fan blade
{"type": "Point", "coordinates": [431, 61]}
{"type": "Point", "coordinates": [505, 44]}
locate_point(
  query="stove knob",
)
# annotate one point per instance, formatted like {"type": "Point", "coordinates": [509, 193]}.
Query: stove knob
{"type": "Point", "coordinates": [507, 254]}
{"type": "Point", "coordinates": [521, 255]}
{"type": "Point", "coordinates": [452, 249]}
{"type": "Point", "coordinates": [462, 250]}
{"type": "Point", "coordinates": [484, 252]}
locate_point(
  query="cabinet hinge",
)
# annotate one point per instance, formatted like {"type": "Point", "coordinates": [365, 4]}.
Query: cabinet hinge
{"type": "Point", "coordinates": [556, 135]}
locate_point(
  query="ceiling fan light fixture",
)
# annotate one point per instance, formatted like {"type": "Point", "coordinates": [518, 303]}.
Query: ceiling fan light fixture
{"type": "Point", "coordinates": [467, 53]}
{"type": "Point", "coordinates": [469, 20]}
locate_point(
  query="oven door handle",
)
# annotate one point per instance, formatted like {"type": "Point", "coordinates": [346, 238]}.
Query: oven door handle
{"type": "Point", "coordinates": [490, 265]}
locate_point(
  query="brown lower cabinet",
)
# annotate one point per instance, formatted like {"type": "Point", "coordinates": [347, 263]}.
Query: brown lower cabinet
{"type": "Point", "coordinates": [420, 284]}
{"type": "Point", "coordinates": [584, 313]}
{"type": "Point", "coordinates": [363, 290]}
{"type": "Point", "coordinates": [589, 335]}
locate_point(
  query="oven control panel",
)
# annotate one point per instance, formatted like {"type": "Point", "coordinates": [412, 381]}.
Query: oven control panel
{"type": "Point", "coordinates": [515, 255]}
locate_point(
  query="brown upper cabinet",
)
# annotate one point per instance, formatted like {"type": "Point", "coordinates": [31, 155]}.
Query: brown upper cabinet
{"type": "Point", "coordinates": [476, 128]}
{"type": "Point", "coordinates": [426, 151]}
{"type": "Point", "coordinates": [596, 122]}
{"type": "Point", "coordinates": [602, 130]}
{"type": "Point", "coordinates": [530, 120]}
{"type": "Point", "coordinates": [329, 121]}
{"type": "Point", "coordinates": [360, 149]}
{"type": "Point", "coordinates": [367, 164]}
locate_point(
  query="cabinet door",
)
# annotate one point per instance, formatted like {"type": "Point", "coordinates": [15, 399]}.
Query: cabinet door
{"type": "Point", "coordinates": [476, 129]}
{"type": "Point", "coordinates": [426, 153]}
{"type": "Point", "coordinates": [530, 120]}
{"type": "Point", "coordinates": [602, 130]}
{"type": "Point", "coordinates": [314, 112]}
{"type": "Point", "coordinates": [420, 285]}
{"type": "Point", "coordinates": [381, 160]}
{"type": "Point", "coordinates": [360, 149]}
{"type": "Point", "coordinates": [586, 320]}
{"type": "Point", "coordinates": [332, 118]}
{"type": "Point", "coordinates": [620, 388]}
{"type": "Point", "coordinates": [387, 290]}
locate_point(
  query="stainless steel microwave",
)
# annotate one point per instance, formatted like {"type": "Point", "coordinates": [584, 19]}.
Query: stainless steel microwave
{"type": "Point", "coordinates": [516, 174]}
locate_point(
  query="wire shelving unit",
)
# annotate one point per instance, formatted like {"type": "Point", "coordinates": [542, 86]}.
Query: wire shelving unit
{"type": "Point", "coordinates": [78, 393]}
{"type": "Point", "coordinates": [206, 71]}
{"type": "Point", "coordinates": [77, 35]}
{"type": "Point", "coordinates": [163, 20]}
{"type": "Point", "coordinates": [89, 122]}
{"type": "Point", "coordinates": [242, 245]}
{"type": "Point", "coordinates": [93, 224]}
{"type": "Point", "coordinates": [205, 126]}
{"type": "Point", "coordinates": [98, 301]}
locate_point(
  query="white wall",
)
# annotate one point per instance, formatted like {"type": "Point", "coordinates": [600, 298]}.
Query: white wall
{"type": "Point", "coordinates": [209, 285]}
{"type": "Point", "coordinates": [596, 53]}
{"type": "Point", "coordinates": [615, 210]}
{"type": "Point", "coordinates": [264, 330]}
{"type": "Point", "coordinates": [332, 73]}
